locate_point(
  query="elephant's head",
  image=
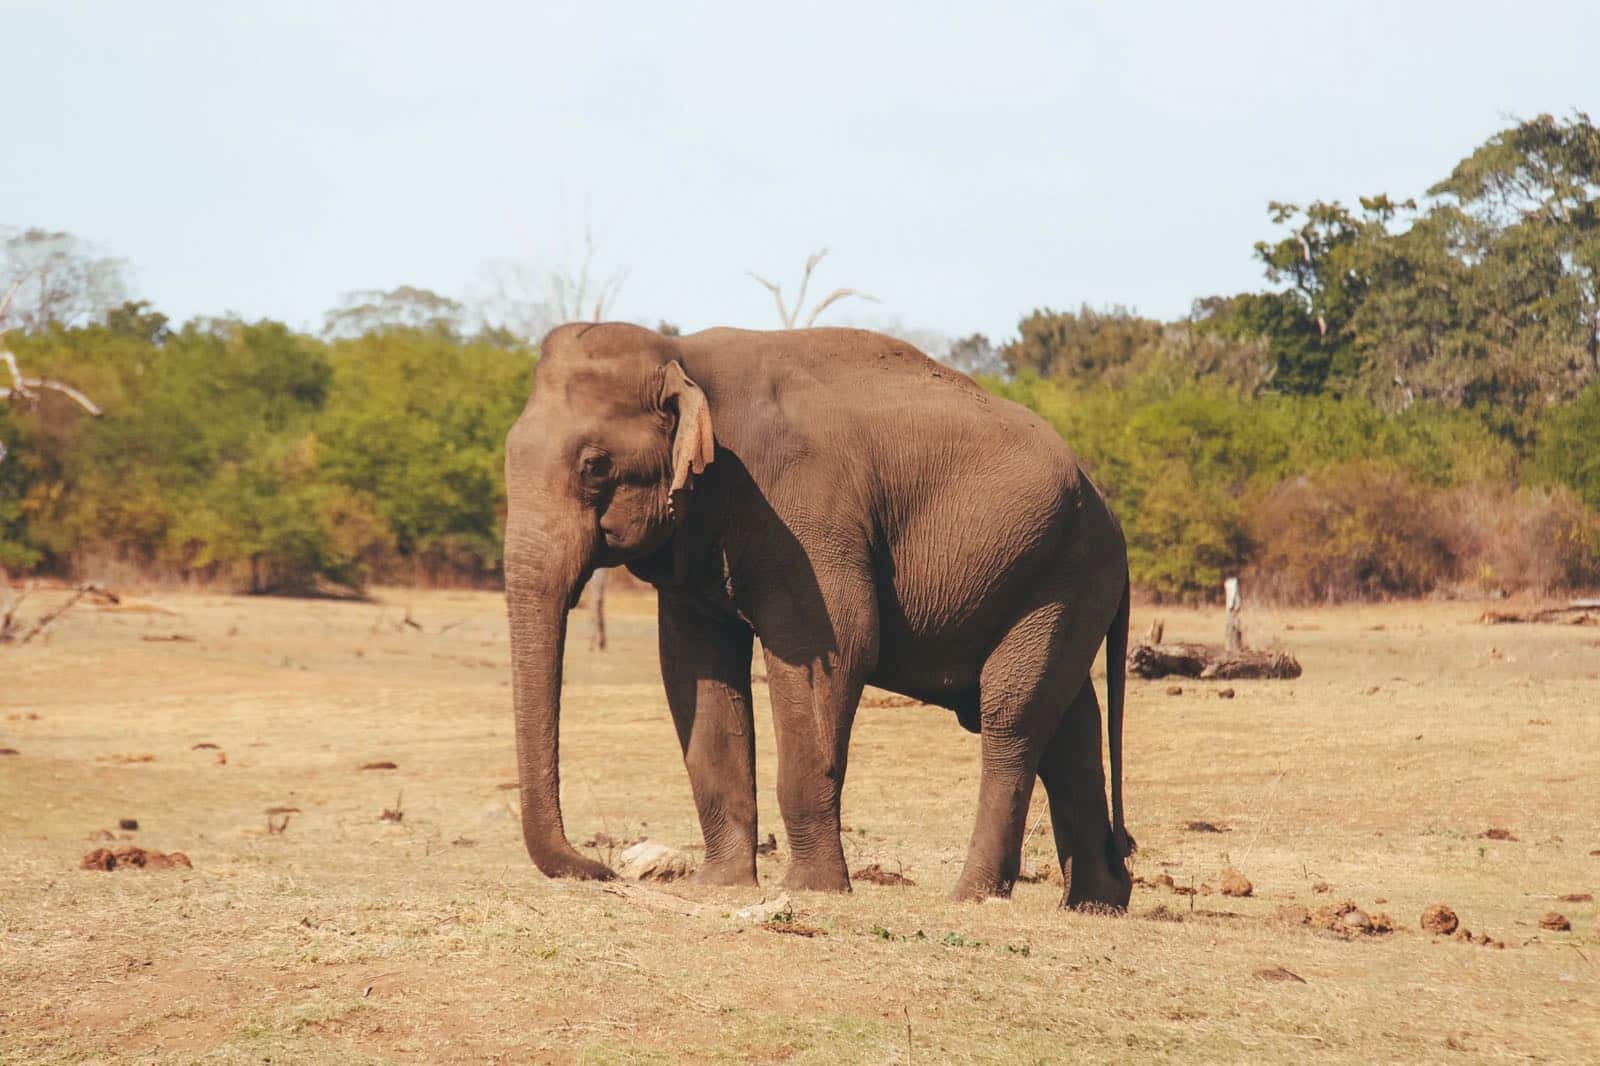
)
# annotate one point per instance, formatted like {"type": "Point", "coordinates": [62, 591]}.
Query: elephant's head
{"type": "Point", "coordinates": [614, 432]}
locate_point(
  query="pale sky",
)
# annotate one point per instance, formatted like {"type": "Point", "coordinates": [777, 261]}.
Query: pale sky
{"type": "Point", "coordinates": [964, 162]}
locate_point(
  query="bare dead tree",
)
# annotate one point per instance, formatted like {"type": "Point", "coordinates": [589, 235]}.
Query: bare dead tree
{"type": "Point", "coordinates": [63, 278]}
{"type": "Point", "coordinates": [789, 315]}
{"type": "Point", "coordinates": [531, 296]}
{"type": "Point", "coordinates": [573, 287]}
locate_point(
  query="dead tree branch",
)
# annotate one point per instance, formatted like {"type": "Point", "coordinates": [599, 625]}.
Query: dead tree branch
{"type": "Point", "coordinates": [26, 388]}
{"type": "Point", "coordinates": [789, 315]}
{"type": "Point", "coordinates": [9, 627]}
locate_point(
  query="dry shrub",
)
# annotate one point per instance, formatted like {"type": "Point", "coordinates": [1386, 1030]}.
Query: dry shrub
{"type": "Point", "coordinates": [1366, 531]}
{"type": "Point", "coordinates": [1534, 540]}
{"type": "Point", "coordinates": [1355, 531]}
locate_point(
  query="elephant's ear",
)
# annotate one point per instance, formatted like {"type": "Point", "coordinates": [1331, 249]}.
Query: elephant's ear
{"type": "Point", "coordinates": [693, 444]}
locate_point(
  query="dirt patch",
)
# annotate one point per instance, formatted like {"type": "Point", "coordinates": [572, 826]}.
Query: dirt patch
{"type": "Point", "coordinates": [1577, 897]}
{"type": "Point", "coordinates": [130, 824]}
{"type": "Point", "coordinates": [768, 846]}
{"type": "Point", "coordinates": [1207, 827]}
{"type": "Point", "coordinates": [9, 751]}
{"type": "Point", "coordinates": [1440, 920]}
{"type": "Point", "coordinates": [1162, 913]}
{"type": "Point", "coordinates": [134, 858]}
{"type": "Point", "coordinates": [1320, 887]}
{"type": "Point", "coordinates": [1555, 922]}
{"type": "Point", "coordinates": [1225, 694]}
{"type": "Point", "coordinates": [1278, 973]}
{"type": "Point", "coordinates": [126, 759]}
{"type": "Point", "coordinates": [167, 638]}
{"type": "Point", "coordinates": [877, 875]}
{"type": "Point", "coordinates": [1174, 690]}
{"type": "Point", "coordinates": [1497, 833]}
{"type": "Point", "coordinates": [381, 765]}
{"type": "Point", "coordinates": [1235, 883]}
{"type": "Point", "coordinates": [205, 745]}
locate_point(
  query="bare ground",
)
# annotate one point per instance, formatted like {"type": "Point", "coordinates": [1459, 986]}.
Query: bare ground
{"type": "Point", "coordinates": [346, 937]}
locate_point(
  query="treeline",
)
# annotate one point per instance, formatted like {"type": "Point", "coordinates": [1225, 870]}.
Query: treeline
{"type": "Point", "coordinates": [265, 459]}
{"type": "Point", "coordinates": [1412, 406]}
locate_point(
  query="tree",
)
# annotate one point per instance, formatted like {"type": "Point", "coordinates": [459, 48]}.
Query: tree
{"type": "Point", "coordinates": [789, 315]}
{"type": "Point", "coordinates": [56, 277]}
{"type": "Point", "coordinates": [1083, 345]}
{"type": "Point", "coordinates": [974, 354]}
{"type": "Point", "coordinates": [406, 307]}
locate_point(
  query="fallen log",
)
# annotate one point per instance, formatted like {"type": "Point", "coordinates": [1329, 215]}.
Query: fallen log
{"type": "Point", "coordinates": [1576, 613]}
{"type": "Point", "coordinates": [1207, 662]}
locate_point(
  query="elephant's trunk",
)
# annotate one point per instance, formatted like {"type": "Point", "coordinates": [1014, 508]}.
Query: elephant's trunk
{"type": "Point", "coordinates": [540, 586]}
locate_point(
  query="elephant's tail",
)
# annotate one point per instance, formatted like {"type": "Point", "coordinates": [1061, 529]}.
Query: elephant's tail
{"type": "Point", "coordinates": [1116, 689]}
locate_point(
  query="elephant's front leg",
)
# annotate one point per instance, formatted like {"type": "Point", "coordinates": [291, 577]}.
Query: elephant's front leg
{"type": "Point", "coordinates": [705, 662]}
{"type": "Point", "coordinates": [813, 708]}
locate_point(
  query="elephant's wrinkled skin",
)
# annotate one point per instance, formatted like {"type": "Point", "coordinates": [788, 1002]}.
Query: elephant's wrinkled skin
{"type": "Point", "coordinates": [874, 518]}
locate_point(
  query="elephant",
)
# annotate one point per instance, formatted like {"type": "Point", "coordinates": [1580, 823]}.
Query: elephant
{"type": "Point", "coordinates": [874, 518]}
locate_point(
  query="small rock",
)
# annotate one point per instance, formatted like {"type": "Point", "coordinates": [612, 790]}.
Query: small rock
{"type": "Point", "coordinates": [1033, 873]}
{"type": "Point", "coordinates": [766, 910]}
{"type": "Point", "coordinates": [1235, 883]}
{"type": "Point", "coordinates": [768, 846]}
{"type": "Point", "coordinates": [1174, 690]}
{"type": "Point", "coordinates": [1225, 694]}
{"type": "Point", "coordinates": [1320, 887]}
{"type": "Point", "coordinates": [651, 860]}
{"type": "Point", "coordinates": [1439, 920]}
{"type": "Point", "coordinates": [129, 824]}
{"type": "Point", "coordinates": [1206, 827]}
{"type": "Point", "coordinates": [1578, 897]}
{"type": "Point", "coordinates": [1356, 919]}
{"type": "Point", "coordinates": [9, 751]}
{"type": "Point", "coordinates": [1556, 923]}
{"type": "Point", "coordinates": [1496, 833]}
{"type": "Point", "coordinates": [1293, 914]}
{"type": "Point", "coordinates": [384, 764]}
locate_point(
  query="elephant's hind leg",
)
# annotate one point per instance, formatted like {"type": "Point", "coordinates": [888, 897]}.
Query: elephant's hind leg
{"type": "Point", "coordinates": [1075, 781]}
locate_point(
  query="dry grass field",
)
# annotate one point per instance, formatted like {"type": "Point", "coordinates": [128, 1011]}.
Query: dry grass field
{"type": "Point", "coordinates": [347, 938]}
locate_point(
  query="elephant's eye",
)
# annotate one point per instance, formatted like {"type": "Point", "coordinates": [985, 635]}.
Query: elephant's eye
{"type": "Point", "coordinates": [596, 467]}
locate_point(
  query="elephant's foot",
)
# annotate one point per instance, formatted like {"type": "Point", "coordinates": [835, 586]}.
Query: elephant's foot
{"type": "Point", "coordinates": [740, 873]}
{"type": "Point", "coordinates": [574, 866]}
{"type": "Point", "coordinates": [977, 888]}
{"type": "Point", "coordinates": [817, 876]}
{"type": "Point", "coordinates": [1098, 888]}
